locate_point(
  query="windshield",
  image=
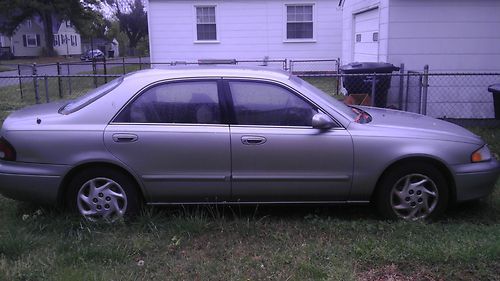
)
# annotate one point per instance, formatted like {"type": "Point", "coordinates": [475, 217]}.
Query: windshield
{"type": "Point", "coordinates": [90, 97]}
{"type": "Point", "coordinates": [338, 105]}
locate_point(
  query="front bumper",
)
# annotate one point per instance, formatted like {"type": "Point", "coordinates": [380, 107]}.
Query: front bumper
{"type": "Point", "coordinates": [476, 180]}
{"type": "Point", "coordinates": [38, 183]}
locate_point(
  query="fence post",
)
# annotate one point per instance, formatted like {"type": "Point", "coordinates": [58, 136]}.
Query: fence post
{"type": "Point", "coordinates": [339, 79]}
{"type": "Point", "coordinates": [105, 71]}
{"type": "Point", "coordinates": [59, 79]}
{"type": "Point", "coordinates": [123, 64]}
{"type": "Point", "coordinates": [47, 99]}
{"type": "Point", "coordinates": [94, 71]}
{"type": "Point", "coordinates": [425, 86]}
{"type": "Point", "coordinates": [374, 82]}
{"type": "Point", "coordinates": [20, 81]}
{"type": "Point", "coordinates": [401, 85]}
{"type": "Point", "coordinates": [69, 79]}
{"type": "Point", "coordinates": [35, 83]}
{"type": "Point", "coordinates": [140, 63]}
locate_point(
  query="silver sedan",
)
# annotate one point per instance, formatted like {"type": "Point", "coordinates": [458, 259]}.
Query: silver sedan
{"type": "Point", "coordinates": [236, 136]}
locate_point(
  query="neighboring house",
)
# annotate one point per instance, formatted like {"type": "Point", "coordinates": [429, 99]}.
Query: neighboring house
{"type": "Point", "coordinates": [447, 35]}
{"type": "Point", "coordinates": [29, 39]}
{"type": "Point", "coordinates": [67, 40]}
{"type": "Point", "coordinates": [240, 29]}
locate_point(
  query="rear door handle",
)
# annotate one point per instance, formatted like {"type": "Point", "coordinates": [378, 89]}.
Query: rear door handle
{"type": "Point", "coordinates": [253, 140]}
{"type": "Point", "coordinates": [125, 137]}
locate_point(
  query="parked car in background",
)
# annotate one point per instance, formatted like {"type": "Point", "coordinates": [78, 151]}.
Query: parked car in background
{"type": "Point", "coordinates": [5, 53]}
{"type": "Point", "coordinates": [238, 136]}
{"type": "Point", "coordinates": [92, 54]}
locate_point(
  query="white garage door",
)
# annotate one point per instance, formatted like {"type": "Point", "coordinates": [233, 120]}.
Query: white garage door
{"type": "Point", "coordinates": [366, 36]}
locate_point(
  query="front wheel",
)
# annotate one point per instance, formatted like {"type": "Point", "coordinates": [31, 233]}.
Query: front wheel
{"type": "Point", "coordinates": [103, 194]}
{"type": "Point", "coordinates": [413, 192]}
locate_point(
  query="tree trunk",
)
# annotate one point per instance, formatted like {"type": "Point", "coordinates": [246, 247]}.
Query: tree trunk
{"type": "Point", "coordinates": [49, 35]}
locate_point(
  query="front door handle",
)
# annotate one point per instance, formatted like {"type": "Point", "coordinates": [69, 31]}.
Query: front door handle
{"type": "Point", "coordinates": [253, 140]}
{"type": "Point", "coordinates": [125, 137]}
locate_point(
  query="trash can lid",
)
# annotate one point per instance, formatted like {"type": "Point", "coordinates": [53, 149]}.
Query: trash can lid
{"type": "Point", "coordinates": [368, 67]}
{"type": "Point", "coordinates": [495, 88]}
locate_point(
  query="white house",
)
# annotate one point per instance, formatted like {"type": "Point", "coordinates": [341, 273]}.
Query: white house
{"type": "Point", "coordinates": [29, 39]}
{"type": "Point", "coordinates": [67, 40]}
{"type": "Point", "coordinates": [189, 30]}
{"type": "Point", "coordinates": [448, 35]}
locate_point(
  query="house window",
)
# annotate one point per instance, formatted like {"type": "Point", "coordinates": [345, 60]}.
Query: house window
{"type": "Point", "coordinates": [358, 37]}
{"type": "Point", "coordinates": [299, 21]}
{"type": "Point", "coordinates": [56, 40]}
{"type": "Point", "coordinates": [206, 29]}
{"type": "Point", "coordinates": [31, 40]}
{"type": "Point", "coordinates": [375, 36]}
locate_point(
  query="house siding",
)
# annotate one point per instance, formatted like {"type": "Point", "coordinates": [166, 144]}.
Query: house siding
{"type": "Point", "coordinates": [17, 40]}
{"type": "Point", "coordinates": [245, 30]}
{"type": "Point", "coordinates": [68, 49]}
{"type": "Point", "coordinates": [448, 35]}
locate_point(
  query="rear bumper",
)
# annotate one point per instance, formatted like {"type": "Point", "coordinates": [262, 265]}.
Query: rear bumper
{"type": "Point", "coordinates": [474, 181]}
{"type": "Point", "coordinates": [31, 182]}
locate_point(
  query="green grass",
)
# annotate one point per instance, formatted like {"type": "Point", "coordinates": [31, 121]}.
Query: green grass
{"type": "Point", "coordinates": [245, 243]}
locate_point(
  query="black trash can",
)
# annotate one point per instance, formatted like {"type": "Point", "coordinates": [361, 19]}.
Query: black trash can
{"type": "Point", "coordinates": [111, 53]}
{"type": "Point", "coordinates": [495, 90]}
{"type": "Point", "coordinates": [362, 84]}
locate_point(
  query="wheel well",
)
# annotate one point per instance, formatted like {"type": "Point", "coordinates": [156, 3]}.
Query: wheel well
{"type": "Point", "coordinates": [424, 160]}
{"type": "Point", "coordinates": [63, 189]}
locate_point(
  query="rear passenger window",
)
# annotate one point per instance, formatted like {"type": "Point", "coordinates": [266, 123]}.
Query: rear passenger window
{"type": "Point", "coordinates": [195, 102]}
{"type": "Point", "coordinates": [259, 103]}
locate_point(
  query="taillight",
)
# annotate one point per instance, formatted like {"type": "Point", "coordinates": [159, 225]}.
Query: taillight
{"type": "Point", "coordinates": [7, 152]}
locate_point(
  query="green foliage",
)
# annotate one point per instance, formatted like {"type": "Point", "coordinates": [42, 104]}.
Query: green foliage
{"type": "Point", "coordinates": [132, 19]}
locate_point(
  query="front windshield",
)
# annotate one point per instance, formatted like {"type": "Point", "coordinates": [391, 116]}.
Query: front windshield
{"type": "Point", "coordinates": [90, 97]}
{"type": "Point", "coordinates": [338, 105]}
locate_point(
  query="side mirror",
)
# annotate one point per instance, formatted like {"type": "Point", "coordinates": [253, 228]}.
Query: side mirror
{"type": "Point", "coordinates": [322, 121]}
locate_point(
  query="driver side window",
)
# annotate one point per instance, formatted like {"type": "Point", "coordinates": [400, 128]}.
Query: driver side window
{"type": "Point", "coordinates": [260, 103]}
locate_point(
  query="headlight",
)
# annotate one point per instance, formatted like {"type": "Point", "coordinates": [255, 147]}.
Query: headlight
{"type": "Point", "coordinates": [481, 155]}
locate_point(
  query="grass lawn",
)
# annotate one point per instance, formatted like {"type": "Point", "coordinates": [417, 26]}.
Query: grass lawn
{"type": "Point", "coordinates": [245, 243]}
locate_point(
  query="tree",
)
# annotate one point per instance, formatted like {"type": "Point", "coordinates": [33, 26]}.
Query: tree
{"type": "Point", "coordinates": [15, 12]}
{"type": "Point", "coordinates": [132, 18]}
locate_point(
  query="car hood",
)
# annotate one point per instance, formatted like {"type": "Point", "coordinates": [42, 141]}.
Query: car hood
{"type": "Point", "coordinates": [412, 125]}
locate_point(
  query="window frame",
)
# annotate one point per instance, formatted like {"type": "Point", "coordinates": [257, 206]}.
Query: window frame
{"type": "Point", "coordinates": [313, 21]}
{"type": "Point", "coordinates": [28, 45]}
{"type": "Point", "coordinates": [195, 27]}
{"type": "Point", "coordinates": [232, 115]}
{"type": "Point", "coordinates": [223, 106]}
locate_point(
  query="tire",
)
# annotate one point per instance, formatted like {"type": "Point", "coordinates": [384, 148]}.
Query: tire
{"type": "Point", "coordinates": [412, 191]}
{"type": "Point", "coordinates": [103, 194]}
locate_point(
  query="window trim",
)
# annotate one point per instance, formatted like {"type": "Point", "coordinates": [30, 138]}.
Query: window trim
{"type": "Point", "coordinates": [195, 27]}
{"type": "Point", "coordinates": [37, 44]}
{"type": "Point", "coordinates": [285, 24]}
{"type": "Point", "coordinates": [220, 94]}
{"type": "Point", "coordinates": [232, 114]}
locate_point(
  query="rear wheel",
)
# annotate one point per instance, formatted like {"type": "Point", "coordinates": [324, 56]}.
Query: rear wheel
{"type": "Point", "coordinates": [411, 192]}
{"type": "Point", "coordinates": [103, 194]}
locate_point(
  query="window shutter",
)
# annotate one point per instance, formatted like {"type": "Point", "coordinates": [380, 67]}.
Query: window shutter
{"type": "Point", "coordinates": [38, 40]}
{"type": "Point", "coordinates": [25, 43]}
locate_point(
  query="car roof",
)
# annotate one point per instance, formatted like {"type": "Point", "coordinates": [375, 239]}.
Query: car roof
{"type": "Point", "coordinates": [173, 72]}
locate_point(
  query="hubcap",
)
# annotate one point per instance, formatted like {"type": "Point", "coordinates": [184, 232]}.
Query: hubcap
{"type": "Point", "coordinates": [414, 197]}
{"type": "Point", "coordinates": [102, 198]}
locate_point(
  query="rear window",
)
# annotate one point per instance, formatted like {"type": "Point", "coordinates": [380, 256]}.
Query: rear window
{"type": "Point", "coordinates": [90, 97]}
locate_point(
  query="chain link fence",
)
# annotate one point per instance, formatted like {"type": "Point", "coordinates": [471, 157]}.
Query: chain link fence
{"type": "Point", "coordinates": [458, 97]}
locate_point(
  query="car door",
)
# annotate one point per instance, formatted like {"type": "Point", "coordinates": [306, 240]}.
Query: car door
{"type": "Point", "coordinates": [277, 156]}
{"type": "Point", "coordinates": [173, 135]}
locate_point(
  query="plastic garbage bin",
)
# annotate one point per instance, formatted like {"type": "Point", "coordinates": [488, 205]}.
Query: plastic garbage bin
{"type": "Point", "coordinates": [495, 90]}
{"type": "Point", "coordinates": [364, 84]}
{"type": "Point", "coordinates": [111, 53]}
